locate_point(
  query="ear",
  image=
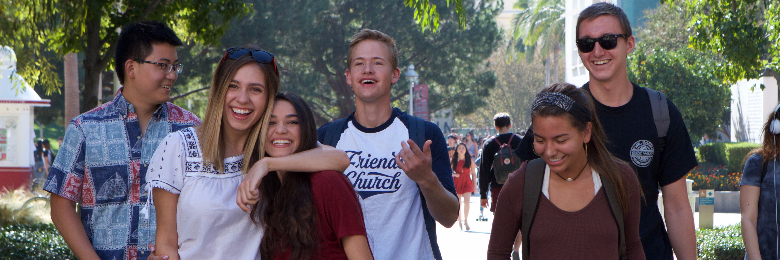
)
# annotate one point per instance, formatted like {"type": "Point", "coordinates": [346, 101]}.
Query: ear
{"type": "Point", "coordinates": [349, 80]}
{"type": "Point", "coordinates": [631, 41]}
{"type": "Point", "coordinates": [587, 133]}
{"type": "Point", "coordinates": [396, 75]}
{"type": "Point", "coordinates": [129, 69]}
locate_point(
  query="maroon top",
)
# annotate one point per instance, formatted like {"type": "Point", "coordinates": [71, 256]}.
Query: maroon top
{"type": "Point", "coordinates": [338, 214]}
{"type": "Point", "coordinates": [589, 233]}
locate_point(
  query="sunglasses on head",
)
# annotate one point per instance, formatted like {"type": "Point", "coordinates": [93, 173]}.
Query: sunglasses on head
{"type": "Point", "coordinates": [260, 56]}
{"type": "Point", "coordinates": [606, 42]}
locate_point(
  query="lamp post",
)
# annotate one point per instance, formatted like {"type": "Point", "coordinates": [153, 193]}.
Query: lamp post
{"type": "Point", "coordinates": [412, 77]}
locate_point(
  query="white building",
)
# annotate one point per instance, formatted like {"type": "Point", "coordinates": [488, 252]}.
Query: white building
{"type": "Point", "coordinates": [17, 100]}
{"type": "Point", "coordinates": [751, 106]}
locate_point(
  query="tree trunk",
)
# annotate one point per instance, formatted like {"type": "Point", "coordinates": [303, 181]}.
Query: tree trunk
{"type": "Point", "coordinates": [71, 86]}
{"type": "Point", "coordinates": [547, 71]}
{"type": "Point", "coordinates": [555, 59]}
{"type": "Point", "coordinates": [92, 66]}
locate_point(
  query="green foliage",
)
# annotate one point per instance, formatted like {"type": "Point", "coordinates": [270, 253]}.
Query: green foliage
{"type": "Point", "coordinates": [538, 26]}
{"type": "Point", "coordinates": [713, 153]}
{"type": "Point", "coordinates": [427, 16]}
{"type": "Point", "coordinates": [737, 153]}
{"type": "Point", "coordinates": [724, 243]}
{"type": "Point", "coordinates": [33, 241]}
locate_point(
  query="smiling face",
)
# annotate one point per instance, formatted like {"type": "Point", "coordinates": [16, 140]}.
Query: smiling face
{"type": "Point", "coordinates": [605, 65]}
{"type": "Point", "coordinates": [284, 130]}
{"type": "Point", "coordinates": [245, 101]}
{"type": "Point", "coordinates": [559, 143]}
{"type": "Point", "coordinates": [147, 81]}
{"type": "Point", "coordinates": [370, 73]}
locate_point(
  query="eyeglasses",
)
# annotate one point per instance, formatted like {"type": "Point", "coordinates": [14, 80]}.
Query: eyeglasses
{"type": "Point", "coordinates": [606, 42]}
{"type": "Point", "coordinates": [167, 67]}
{"type": "Point", "coordinates": [260, 56]}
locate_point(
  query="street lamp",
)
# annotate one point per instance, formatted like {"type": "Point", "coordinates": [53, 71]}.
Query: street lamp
{"type": "Point", "coordinates": [412, 77]}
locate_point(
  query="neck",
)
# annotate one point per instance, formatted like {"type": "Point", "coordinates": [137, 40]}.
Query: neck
{"type": "Point", "coordinates": [461, 156]}
{"type": "Point", "coordinates": [233, 141]}
{"type": "Point", "coordinates": [504, 130]}
{"type": "Point", "coordinates": [143, 110]}
{"type": "Point", "coordinates": [372, 115]}
{"type": "Point", "coordinates": [577, 171]}
{"type": "Point", "coordinates": [612, 93]}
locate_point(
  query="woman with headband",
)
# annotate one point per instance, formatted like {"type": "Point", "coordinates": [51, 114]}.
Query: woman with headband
{"type": "Point", "coordinates": [572, 199]}
{"type": "Point", "coordinates": [758, 195]}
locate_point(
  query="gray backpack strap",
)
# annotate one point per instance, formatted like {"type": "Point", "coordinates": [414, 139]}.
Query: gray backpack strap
{"type": "Point", "coordinates": [660, 108]}
{"type": "Point", "coordinates": [617, 212]}
{"type": "Point", "coordinates": [532, 191]}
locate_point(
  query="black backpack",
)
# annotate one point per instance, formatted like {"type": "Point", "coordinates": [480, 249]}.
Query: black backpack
{"type": "Point", "coordinates": [505, 161]}
{"type": "Point", "coordinates": [532, 191]}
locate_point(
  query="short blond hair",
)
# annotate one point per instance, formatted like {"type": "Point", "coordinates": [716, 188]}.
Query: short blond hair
{"type": "Point", "coordinates": [368, 34]}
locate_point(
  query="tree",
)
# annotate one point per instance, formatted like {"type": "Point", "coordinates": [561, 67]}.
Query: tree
{"type": "Point", "coordinates": [312, 51]}
{"type": "Point", "coordinates": [662, 61]}
{"type": "Point", "coordinates": [744, 32]}
{"type": "Point", "coordinates": [538, 27]}
{"type": "Point", "coordinates": [92, 27]}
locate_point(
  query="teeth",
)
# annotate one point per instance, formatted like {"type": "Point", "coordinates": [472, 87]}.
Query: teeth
{"type": "Point", "coordinates": [368, 81]}
{"type": "Point", "coordinates": [167, 87]}
{"type": "Point", "coordinates": [601, 62]}
{"type": "Point", "coordinates": [281, 142]}
{"type": "Point", "coordinates": [241, 111]}
{"type": "Point", "coordinates": [555, 160]}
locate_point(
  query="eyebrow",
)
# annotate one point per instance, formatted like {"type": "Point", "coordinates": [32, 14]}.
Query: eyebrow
{"type": "Point", "coordinates": [287, 116]}
{"type": "Point", "coordinates": [165, 59]}
{"type": "Point", "coordinates": [554, 137]}
{"type": "Point", "coordinates": [377, 57]}
{"type": "Point", "coordinates": [251, 84]}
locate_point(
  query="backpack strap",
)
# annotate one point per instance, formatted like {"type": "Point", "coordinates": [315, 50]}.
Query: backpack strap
{"type": "Point", "coordinates": [617, 213]}
{"type": "Point", "coordinates": [660, 108]}
{"type": "Point", "coordinates": [334, 130]}
{"type": "Point", "coordinates": [416, 127]}
{"type": "Point", "coordinates": [532, 190]}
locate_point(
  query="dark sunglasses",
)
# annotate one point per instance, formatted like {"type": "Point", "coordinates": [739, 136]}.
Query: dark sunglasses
{"type": "Point", "coordinates": [606, 42]}
{"type": "Point", "coordinates": [260, 56]}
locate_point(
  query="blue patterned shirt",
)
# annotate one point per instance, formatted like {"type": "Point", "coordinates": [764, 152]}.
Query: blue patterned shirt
{"type": "Point", "coordinates": [102, 165]}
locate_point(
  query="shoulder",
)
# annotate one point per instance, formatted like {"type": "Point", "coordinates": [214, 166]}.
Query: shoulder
{"type": "Point", "coordinates": [629, 175]}
{"type": "Point", "coordinates": [756, 158]}
{"type": "Point", "coordinates": [181, 115]}
{"type": "Point", "coordinates": [330, 182]}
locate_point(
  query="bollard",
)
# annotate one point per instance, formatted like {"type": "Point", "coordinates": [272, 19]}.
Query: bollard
{"type": "Point", "coordinates": [706, 208]}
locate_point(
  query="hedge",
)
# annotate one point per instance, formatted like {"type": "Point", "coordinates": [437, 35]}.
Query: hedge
{"type": "Point", "coordinates": [34, 241]}
{"type": "Point", "coordinates": [713, 153]}
{"type": "Point", "coordinates": [723, 243]}
{"type": "Point", "coordinates": [732, 155]}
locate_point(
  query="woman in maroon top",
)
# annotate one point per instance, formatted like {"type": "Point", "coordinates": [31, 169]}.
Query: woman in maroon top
{"type": "Point", "coordinates": [573, 218]}
{"type": "Point", "coordinates": [305, 215]}
{"type": "Point", "coordinates": [464, 172]}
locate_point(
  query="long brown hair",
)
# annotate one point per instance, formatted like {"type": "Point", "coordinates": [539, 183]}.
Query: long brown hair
{"type": "Point", "coordinates": [599, 157]}
{"type": "Point", "coordinates": [286, 209]}
{"type": "Point", "coordinates": [211, 130]}
{"type": "Point", "coordinates": [768, 148]}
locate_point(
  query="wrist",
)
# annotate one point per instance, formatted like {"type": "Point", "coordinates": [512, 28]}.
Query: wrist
{"type": "Point", "coordinates": [429, 181]}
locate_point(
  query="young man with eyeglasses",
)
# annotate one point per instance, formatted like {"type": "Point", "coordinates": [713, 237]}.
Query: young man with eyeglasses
{"type": "Point", "coordinates": [604, 40]}
{"type": "Point", "coordinates": [404, 185]}
{"type": "Point", "coordinates": [105, 153]}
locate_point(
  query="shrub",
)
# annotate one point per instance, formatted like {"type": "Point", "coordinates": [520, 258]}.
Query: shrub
{"type": "Point", "coordinates": [736, 155]}
{"type": "Point", "coordinates": [713, 153]}
{"type": "Point", "coordinates": [713, 176]}
{"type": "Point", "coordinates": [14, 211]}
{"type": "Point", "coordinates": [720, 243]}
{"type": "Point", "coordinates": [36, 241]}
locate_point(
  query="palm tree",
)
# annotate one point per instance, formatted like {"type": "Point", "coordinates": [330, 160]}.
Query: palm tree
{"type": "Point", "coordinates": [539, 28]}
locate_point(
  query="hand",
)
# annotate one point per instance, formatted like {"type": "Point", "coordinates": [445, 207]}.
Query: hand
{"type": "Point", "coordinates": [248, 192]}
{"type": "Point", "coordinates": [483, 203]}
{"type": "Point", "coordinates": [153, 255]}
{"type": "Point", "coordinates": [414, 162]}
{"type": "Point", "coordinates": [456, 175]}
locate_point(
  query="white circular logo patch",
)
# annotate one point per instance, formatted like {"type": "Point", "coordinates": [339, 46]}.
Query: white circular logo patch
{"type": "Point", "coordinates": [642, 153]}
{"type": "Point", "coordinates": [507, 161]}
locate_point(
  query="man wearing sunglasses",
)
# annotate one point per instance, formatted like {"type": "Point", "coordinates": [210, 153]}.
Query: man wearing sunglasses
{"type": "Point", "coordinates": [604, 40]}
{"type": "Point", "coordinates": [105, 153]}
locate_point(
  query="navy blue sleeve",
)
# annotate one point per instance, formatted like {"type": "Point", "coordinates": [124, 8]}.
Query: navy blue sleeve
{"type": "Point", "coordinates": [751, 174]}
{"type": "Point", "coordinates": [526, 149]}
{"type": "Point", "coordinates": [678, 157]}
{"type": "Point", "coordinates": [321, 132]}
{"type": "Point", "coordinates": [440, 159]}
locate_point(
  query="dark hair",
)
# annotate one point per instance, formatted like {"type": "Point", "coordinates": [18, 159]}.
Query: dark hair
{"type": "Point", "coordinates": [135, 43]}
{"type": "Point", "coordinates": [454, 160]}
{"type": "Point", "coordinates": [452, 137]}
{"type": "Point", "coordinates": [502, 120]}
{"type": "Point", "coordinates": [603, 8]}
{"type": "Point", "coordinates": [368, 34]}
{"type": "Point", "coordinates": [768, 148]}
{"type": "Point", "coordinates": [599, 157]}
{"type": "Point", "coordinates": [286, 210]}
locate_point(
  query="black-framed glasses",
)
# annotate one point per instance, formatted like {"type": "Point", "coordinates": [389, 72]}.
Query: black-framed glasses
{"type": "Point", "coordinates": [606, 42]}
{"type": "Point", "coordinates": [260, 56]}
{"type": "Point", "coordinates": [167, 67]}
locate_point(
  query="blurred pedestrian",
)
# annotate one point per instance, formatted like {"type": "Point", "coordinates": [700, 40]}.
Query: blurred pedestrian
{"type": "Point", "coordinates": [464, 173]}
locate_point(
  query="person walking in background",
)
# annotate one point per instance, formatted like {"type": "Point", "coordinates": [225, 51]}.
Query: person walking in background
{"type": "Point", "coordinates": [452, 142]}
{"type": "Point", "coordinates": [471, 144]}
{"type": "Point", "coordinates": [758, 194]}
{"type": "Point", "coordinates": [464, 173]}
{"type": "Point", "coordinates": [487, 178]}
{"type": "Point", "coordinates": [104, 157]}
{"type": "Point", "coordinates": [604, 41]}
{"type": "Point", "coordinates": [42, 164]}
{"type": "Point", "coordinates": [582, 187]}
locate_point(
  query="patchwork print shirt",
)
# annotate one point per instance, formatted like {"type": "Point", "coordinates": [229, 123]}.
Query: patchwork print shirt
{"type": "Point", "coordinates": [102, 165]}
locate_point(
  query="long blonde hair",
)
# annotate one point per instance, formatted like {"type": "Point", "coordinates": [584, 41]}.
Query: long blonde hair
{"type": "Point", "coordinates": [211, 129]}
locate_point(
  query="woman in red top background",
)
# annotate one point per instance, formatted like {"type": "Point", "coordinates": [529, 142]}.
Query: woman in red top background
{"type": "Point", "coordinates": [464, 172]}
{"type": "Point", "coordinates": [305, 215]}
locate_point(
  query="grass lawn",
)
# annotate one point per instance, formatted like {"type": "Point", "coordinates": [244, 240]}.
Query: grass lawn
{"type": "Point", "coordinates": [51, 132]}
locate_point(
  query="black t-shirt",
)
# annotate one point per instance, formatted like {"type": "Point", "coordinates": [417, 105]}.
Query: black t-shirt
{"type": "Point", "coordinates": [486, 177]}
{"type": "Point", "coordinates": [633, 138]}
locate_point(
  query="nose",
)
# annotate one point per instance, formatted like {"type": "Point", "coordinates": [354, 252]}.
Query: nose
{"type": "Point", "coordinates": [597, 50]}
{"type": "Point", "coordinates": [368, 69]}
{"type": "Point", "coordinates": [280, 128]}
{"type": "Point", "coordinates": [243, 96]}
